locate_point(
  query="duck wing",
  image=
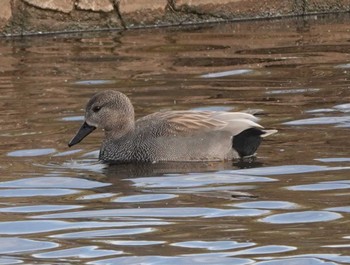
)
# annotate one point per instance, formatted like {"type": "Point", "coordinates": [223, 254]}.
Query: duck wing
{"type": "Point", "coordinates": [184, 123]}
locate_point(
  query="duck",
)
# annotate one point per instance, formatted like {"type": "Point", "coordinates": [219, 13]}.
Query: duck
{"type": "Point", "coordinates": [178, 135]}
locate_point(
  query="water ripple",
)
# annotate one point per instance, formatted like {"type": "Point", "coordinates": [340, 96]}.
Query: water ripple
{"type": "Point", "coordinates": [41, 226]}
{"type": "Point", "coordinates": [326, 185]}
{"type": "Point", "coordinates": [32, 152]}
{"type": "Point", "coordinates": [213, 245]}
{"type": "Point", "coordinates": [227, 73]}
{"type": "Point", "coordinates": [301, 217]}
{"type": "Point", "coordinates": [12, 193]}
{"type": "Point", "coordinates": [267, 205]}
{"type": "Point", "coordinates": [317, 258]}
{"type": "Point", "coordinates": [131, 242]}
{"type": "Point", "coordinates": [53, 182]}
{"type": "Point", "coordinates": [174, 260]}
{"type": "Point", "coordinates": [18, 245]}
{"type": "Point", "coordinates": [86, 252]}
{"type": "Point", "coordinates": [333, 159]}
{"type": "Point", "coordinates": [38, 208]}
{"type": "Point", "coordinates": [157, 212]}
{"type": "Point", "coordinates": [105, 233]}
{"type": "Point", "coordinates": [287, 169]}
{"type": "Point", "coordinates": [145, 198]}
{"type": "Point", "coordinates": [320, 121]}
{"type": "Point", "coordinates": [196, 180]}
{"type": "Point", "coordinates": [298, 261]}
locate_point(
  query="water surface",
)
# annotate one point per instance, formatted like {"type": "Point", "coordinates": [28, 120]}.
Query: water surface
{"type": "Point", "coordinates": [288, 206]}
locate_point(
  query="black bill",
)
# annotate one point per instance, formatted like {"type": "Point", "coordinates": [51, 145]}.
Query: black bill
{"type": "Point", "coordinates": [84, 131]}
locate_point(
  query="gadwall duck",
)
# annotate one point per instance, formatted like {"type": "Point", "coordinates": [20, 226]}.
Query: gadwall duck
{"type": "Point", "coordinates": [170, 135]}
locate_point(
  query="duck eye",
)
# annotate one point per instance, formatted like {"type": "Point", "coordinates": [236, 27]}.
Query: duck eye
{"type": "Point", "coordinates": [96, 109]}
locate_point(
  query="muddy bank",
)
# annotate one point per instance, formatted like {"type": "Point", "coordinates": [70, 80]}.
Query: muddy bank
{"type": "Point", "coordinates": [23, 17]}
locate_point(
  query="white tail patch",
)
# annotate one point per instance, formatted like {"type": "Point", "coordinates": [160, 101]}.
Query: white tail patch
{"type": "Point", "coordinates": [268, 132]}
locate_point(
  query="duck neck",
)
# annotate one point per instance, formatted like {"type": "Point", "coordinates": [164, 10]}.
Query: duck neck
{"type": "Point", "coordinates": [120, 130]}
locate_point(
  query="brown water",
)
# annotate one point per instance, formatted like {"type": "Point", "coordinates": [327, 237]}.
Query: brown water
{"type": "Point", "coordinates": [289, 206]}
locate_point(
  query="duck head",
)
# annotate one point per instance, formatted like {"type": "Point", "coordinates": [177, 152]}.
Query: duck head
{"type": "Point", "coordinates": [110, 111]}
